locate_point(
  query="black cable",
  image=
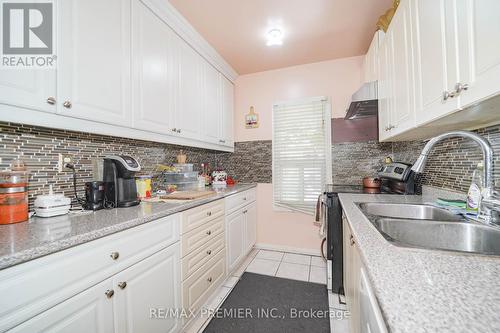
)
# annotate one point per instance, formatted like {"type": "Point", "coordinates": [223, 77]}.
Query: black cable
{"type": "Point", "coordinates": [81, 202]}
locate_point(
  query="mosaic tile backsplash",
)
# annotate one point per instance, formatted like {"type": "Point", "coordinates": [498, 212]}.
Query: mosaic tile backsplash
{"type": "Point", "coordinates": [449, 166]}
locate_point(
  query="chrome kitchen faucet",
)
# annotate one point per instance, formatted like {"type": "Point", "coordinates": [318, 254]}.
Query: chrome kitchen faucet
{"type": "Point", "coordinates": [490, 201]}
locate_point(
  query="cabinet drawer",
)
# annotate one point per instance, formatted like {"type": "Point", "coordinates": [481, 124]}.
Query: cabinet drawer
{"type": "Point", "coordinates": [238, 200]}
{"type": "Point", "coordinates": [193, 261]}
{"type": "Point", "coordinates": [198, 287]}
{"type": "Point", "coordinates": [199, 236]}
{"type": "Point", "coordinates": [198, 216]}
{"type": "Point", "coordinates": [37, 285]}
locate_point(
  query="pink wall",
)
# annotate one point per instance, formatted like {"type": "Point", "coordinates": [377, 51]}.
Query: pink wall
{"type": "Point", "coordinates": [337, 79]}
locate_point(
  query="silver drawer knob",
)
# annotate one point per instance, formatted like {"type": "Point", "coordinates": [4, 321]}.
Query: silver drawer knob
{"type": "Point", "coordinates": [209, 279]}
{"type": "Point", "coordinates": [51, 100]}
{"type": "Point", "coordinates": [209, 232]}
{"type": "Point", "coordinates": [122, 285]}
{"type": "Point", "coordinates": [447, 95]}
{"type": "Point", "coordinates": [109, 293]}
{"type": "Point", "coordinates": [209, 213]}
{"type": "Point", "coordinates": [115, 255]}
{"type": "Point", "coordinates": [179, 130]}
{"type": "Point", "coordinates": [67, 104]}
{"type": "Point", "coordinates": [209, 252]}
{"type": "Point", "coordinates": [174, 129]}
{"type": "Point", "coordinates": [459, 87]}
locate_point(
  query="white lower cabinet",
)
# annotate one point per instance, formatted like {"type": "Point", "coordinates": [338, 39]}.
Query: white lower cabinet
{"type": "Point", "coordinates": [235, 225]}
{"type": "Point", "coordinates": [89, 311]}
{"type": "Point", "coordinates": [241, 226]}
{"type": "Point", "coordinates": [122, 303]}
{"type": "Point", "coordinates": [146, 288]}
{"type": "Point", "coordinates": [250, 226]}
{"type": "Point", "coordinates": [365, 315]}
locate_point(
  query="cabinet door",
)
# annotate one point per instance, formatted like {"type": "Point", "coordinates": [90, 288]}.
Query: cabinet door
{"type": "Point", "coordinates": [235, 229]}
{"type": "Point", "coordinates": [435, 58]}
{"type": "Point", "coordinates": [371, 60]}
{"type": "Point", "coordinates": [479, 49]}
{"type": "Point", "coordinates": [228, 111]}
{"type": "Point", "coordinates": [154, 71]}
{"type": "Point", "coordinates": [89, 311]}
{"type": "Point", "coordinates": [28, 88]}
{"type": "Point", "coordinates": [385, 93]}
{"type": "Point", "coordinates": [371, 320]}
{"type": "Point", "coordinates": [149, 285]}
{"type": "Point", "coordinates": [94, 60]}
{"type": "Point", "coordinates": [189, 110]}
{"type": "Point", "coordinates": [400, 44]}
{"type": "Point", "coordinates": [250, 226]}
{"type": "Point", "coordinates": [212, 108]}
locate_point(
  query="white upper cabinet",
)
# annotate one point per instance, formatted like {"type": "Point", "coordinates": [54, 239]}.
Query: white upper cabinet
{"type": "Point", "coordinates": [400, 44]}
{"type": "Point", "coordinates": [435, 55]}
{"type": "Point", "coordinates": [212, 108]}
{"type": "Point", "coordinates": [479, 49]}
{"type": "Point", "coordinates": [227, 112]}
{"type": "Point", "coordinates": [385, 91]}
{"type": "Point", "coordinates": [155, 73]}
{"type": "Point", "coordinates": [29, 88]}
{"type": "Point", "coordinates": [371, 66]}
{"type": "Point", "coordinates": [189, 109]}
{"type": "Point", "coordinates": [94, 60]}
{"type": "Point", "coordinates": [128, 68]}
{"type": "Point", "coordinates": [443, 63]}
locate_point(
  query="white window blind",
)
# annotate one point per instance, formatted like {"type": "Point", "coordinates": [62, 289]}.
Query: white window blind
{"type": "Point", "coordinates": [301, 153]}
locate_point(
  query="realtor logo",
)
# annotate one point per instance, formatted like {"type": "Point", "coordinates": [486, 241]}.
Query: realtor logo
{"type": "Point", "coordinates": [27, 34]}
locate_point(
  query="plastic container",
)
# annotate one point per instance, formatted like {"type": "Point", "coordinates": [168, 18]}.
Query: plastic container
{"type": "Point", "coordinates": [185, 167]}
{"type": "Point", "coordinates": [144, 186]}
{"type": "Point", "coordinates": [180, 177]}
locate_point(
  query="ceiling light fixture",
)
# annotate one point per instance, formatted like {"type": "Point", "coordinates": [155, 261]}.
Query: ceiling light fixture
{"type": "Point", "coordinates": [274, 37]}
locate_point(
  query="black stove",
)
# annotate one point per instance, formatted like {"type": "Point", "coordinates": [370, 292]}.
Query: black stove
{"type": "Point", "coordinates": [396, 178]}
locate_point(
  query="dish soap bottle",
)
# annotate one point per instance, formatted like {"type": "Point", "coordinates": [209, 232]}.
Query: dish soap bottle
{"type": "Point", "coordinates": [475, 191]}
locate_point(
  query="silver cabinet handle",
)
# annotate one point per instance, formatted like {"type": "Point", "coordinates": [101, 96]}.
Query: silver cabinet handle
{"type": "Point", "coordinates": [222, 141]}
{"type": "Point", "coordinates": [174, 129]}
{"type": "Point", "coordinates": [115, 255]}
{"type": "Point", "coordinates": [245, 211]}
{"type": "Point", "coordinates": [209, 252]}
{"type": "Point", "coordinates": [51, 100]}
{"type": "Point", "coordinates": [122, 285]}
{"type": "Point", "coordinates": [447, 95]}
{"type": "Point", "coordinates": [209, 213]}
{"type": "Point", "coordinates": [109, 293]}
{"type": "Point", "coordinates": [459, 87]}
{"type": "Point", "coordinates": [209, 279]}
{"type": "Point", "coordinates": [179, 130]}
{"type": "Point", "coordinates": [245, 198]}
{"type": "Point", "coordinates": [67, 104]}
{"type": "Point", "coordinates": [209, 232]}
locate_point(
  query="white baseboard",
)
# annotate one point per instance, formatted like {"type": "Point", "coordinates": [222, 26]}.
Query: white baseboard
{"type": "Point", "coordinates": [291, 249]}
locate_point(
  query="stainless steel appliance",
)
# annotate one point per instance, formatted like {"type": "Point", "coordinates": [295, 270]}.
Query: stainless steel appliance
{"type": "Point", "coordinates": [396, 178]}
{"type": "Point", "coordinates": [119, 183]}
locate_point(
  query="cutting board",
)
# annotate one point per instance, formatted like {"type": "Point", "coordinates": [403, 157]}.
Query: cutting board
{"type": "Point", "coordinates": [187, 195]}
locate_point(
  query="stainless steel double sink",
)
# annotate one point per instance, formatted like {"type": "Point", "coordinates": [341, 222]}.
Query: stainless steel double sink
{"type": "Point", "coordinates": [429, 227]}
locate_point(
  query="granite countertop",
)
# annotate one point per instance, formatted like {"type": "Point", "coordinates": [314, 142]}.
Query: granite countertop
{"type": "Point", "coordinates": [38, 237]}
{"type": "Point", "coordinates": [422, 290]}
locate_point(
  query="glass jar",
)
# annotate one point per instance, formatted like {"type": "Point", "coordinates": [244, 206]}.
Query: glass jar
{"type": "Point", "coordinates": [14, 194]}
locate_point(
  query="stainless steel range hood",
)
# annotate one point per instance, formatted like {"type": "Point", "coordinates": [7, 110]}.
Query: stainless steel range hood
{"type": "Point", "coordinates": [364, 102]}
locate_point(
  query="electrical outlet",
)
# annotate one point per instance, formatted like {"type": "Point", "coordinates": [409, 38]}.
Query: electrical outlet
{"type": "Point", "coordinates": [63, 160]}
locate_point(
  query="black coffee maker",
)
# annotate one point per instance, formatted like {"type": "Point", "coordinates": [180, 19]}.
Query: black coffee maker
{"type": "Point", "coordinates": [119, 182]}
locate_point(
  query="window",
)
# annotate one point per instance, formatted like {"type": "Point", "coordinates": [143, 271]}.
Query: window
{"type": "Point", "coordinates": [301, 153]}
